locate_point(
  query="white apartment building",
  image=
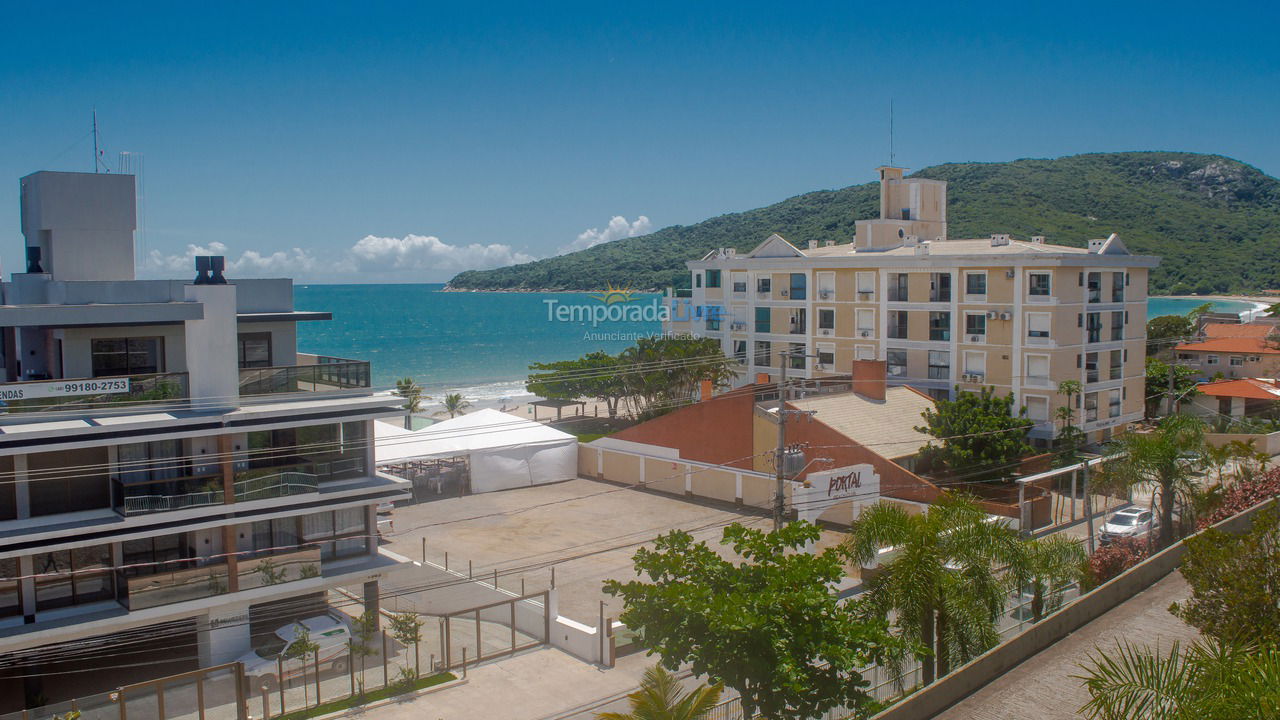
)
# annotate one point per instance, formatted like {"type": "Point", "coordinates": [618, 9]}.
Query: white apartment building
{"type": "Point", "coordinates": [1016, 315]}
{"type": "Point", "coordinates": [171, 467]}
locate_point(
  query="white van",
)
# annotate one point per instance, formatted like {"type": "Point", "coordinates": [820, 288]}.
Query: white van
{"type": "Point", "coordinates": [329, 631]}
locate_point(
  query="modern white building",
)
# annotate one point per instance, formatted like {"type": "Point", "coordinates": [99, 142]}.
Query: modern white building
{"type": "Point", "coordinates": [175, 476]}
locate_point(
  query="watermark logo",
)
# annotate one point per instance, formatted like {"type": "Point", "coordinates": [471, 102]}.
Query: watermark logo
{"type": "Point", "coordinates": [613, 295]}
{"type": "Point", "coordinates": [615, 304]}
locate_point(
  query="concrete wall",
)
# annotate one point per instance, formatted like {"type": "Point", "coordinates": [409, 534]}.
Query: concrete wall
{"type": "Point", "coordinates": [969, 678]}
{"type": "Point", "coordinates": [675, 476]}
{"type": "Point", "coordinates": [716, 431]}
{"type": "Point", "coordinates": [83, 223]}
{"type": "Point", "coordinates": [1270, 443]}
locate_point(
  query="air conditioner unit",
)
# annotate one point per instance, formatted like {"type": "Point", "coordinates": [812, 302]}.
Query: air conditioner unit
{"type": "Point", "coordinates": [1009, 274]}
{"type": "Point", "coordinates": [976, 338]}
{"type": "Point", "coordinates": [826, 294]}
{"type": "Point", "coordinates": [992, 314]}
{"type": "Point", "coordinates": [784, 293]}
{"type": "Point", "coordinates": [1006, 316]}
{"type": "Point", "coordinates": [865, 333]}
{"type": "Point", "coordinates": [825, 331]}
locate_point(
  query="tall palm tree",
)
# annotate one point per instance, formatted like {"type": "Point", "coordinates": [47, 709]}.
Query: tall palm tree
{"type": "Point", "coordinates": [660, 697]}
{"type": "Point", "coordinates": [941, 585]}
{"type": "Point", "coordinates": [1166, 460]}
{"type": "Point", "coordinates": [454, 405]}
{"type": "Point", "coordinates": [413, 396]}
{"type": "Point", "coordinates": [1208, 680]}
{"type": "Point", "coordinates": [1046, 566]}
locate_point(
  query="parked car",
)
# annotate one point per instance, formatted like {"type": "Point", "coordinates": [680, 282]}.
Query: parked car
{"type": "Point", "coordinates": [329, 631]}
{"type": "Point", "coordinates": [1131, 522]}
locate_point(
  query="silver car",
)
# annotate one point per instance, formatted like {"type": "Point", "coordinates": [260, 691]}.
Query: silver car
{"type": "Point", "coordinates": [1131, 522]}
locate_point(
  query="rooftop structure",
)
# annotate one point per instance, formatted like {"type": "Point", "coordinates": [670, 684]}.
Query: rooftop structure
{"type": "Point", "coordinates": [1234, 350]}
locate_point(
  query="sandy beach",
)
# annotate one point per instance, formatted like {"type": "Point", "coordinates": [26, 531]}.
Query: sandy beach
{"type": "Point", "coordinates": [1260, 302]}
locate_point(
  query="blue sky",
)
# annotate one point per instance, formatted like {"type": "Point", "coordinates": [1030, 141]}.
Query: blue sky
{"type": "Point", "coordinates": [377, 142]}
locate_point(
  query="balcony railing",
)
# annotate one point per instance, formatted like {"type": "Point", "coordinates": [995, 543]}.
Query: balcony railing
{"type": "Point", "coordinates": [77, 394]}
{"type": "Point", "coordinates": [178, 585]}
{"type": "Point", "coordinates": [323, 376]}
{"type": "Point", "coordinates": [262, 569]}
{"type": "Point", "coordinates": [296, 478]}
{"type": "Point", "coordinates": [179, 493]}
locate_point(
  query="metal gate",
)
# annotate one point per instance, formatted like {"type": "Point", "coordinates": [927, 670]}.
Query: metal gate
{"type": "Point", "coordinates": [495, 630]}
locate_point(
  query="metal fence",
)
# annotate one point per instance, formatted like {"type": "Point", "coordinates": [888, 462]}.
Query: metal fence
{"type": "Point", "coordinates": [214, 693]}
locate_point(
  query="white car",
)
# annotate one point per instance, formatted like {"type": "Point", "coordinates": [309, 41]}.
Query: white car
{"type": "Point", "coordinates": [330, 632]}
{"type": "Point", "coordinates": [1131, 522]}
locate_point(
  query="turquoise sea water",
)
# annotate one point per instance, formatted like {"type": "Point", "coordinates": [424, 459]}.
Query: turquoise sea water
{"type": "Point", "coordinates": [481, 344]}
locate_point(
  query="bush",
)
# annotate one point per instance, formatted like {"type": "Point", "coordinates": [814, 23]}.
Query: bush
{"type": "Point", "coordinates": [1111, 560]}
{"type": "Point", "coordinates": [1243, 495]}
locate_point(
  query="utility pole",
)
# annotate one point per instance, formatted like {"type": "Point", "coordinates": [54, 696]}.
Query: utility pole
{"type": "Point", "coordinates": [1088, 502]}
{"type": "Point", "coordinates": [1169, 395]}
{"type": "Point", "coordinates": [779, 459]}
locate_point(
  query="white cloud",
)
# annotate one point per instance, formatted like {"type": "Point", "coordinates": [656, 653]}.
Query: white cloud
{"type": "Point", "coordinates": [617, 229]}
{"type": "Point", "coordinates": [429, 253]}
{"type": "Point", "coordinates": [251, 263]}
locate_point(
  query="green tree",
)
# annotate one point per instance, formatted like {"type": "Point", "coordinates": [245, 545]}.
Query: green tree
{"type": "Point", "coordinates": [360, 645]}
{"type": "Point", "coordinates": [596, 375]}
{"type": "Point", "coordinates": [1070, 438]}
{"type": "Point", "coordinates": [1046, 566]}
{"type": "Point", "coordinates": [1235, 582]}
{"type": "Point", "coordinates": [413, 396]}
{"type": "Point", "coordinates": [1165, 461]}
{"type": "Point", "coordinates": [768, 626]}
{"type": "Point", "coordinates": [1163, 330]}
{"type": "Point", "coordinates": [1208, 681]}
{"type": "Point", "coordinates": [1157, 385]}
{"type": "Point", "coordinates": [941, 585]}
{"type": "Point", "coordinates": [299, 649]}
{"type": "Point", "coordinates": [978, 431]}
{"type": "Point", "coordinates": [660, 697]}
{"type": "Point", "coordinates": [454, 405]}
{"type": "Point", "coordinates": [406, 628]}
{"type": "Point", "coordinates": [663, 372]}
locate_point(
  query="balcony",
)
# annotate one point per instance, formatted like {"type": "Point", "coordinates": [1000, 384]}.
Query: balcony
{"type": "Point", "coordinates": [79, 394]}
{"type": "Point", "coordinates": [267, 568]}
{"type": "Point", "coordinates": [326, 374]}
{"type": "Point", "coordinates": [181, 493]}
{"type": "Point", "coordinates": [190, 581]}
{"type": "Point", "coordinates": [294, 476]}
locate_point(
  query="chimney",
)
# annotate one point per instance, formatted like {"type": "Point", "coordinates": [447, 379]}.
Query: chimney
{"type": "Point", "coordinates": [922, 250]}
{"type": "Point", "coordinates": [1037, 239]}
{"type": "Point", "coordinates": [869, 378]}
{"type": "Point", "coordinates": [999, 239]}
{"type": "Point", "coordinates": [813, 244]}
{"type": "Point", "coordinates": [706, 391]}
{"type": "Point", "coordinates": [1095, 246]}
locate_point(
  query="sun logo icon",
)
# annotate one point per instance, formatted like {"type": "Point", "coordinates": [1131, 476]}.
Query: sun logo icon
{"type": "Point", "coordinates": [614, 295]}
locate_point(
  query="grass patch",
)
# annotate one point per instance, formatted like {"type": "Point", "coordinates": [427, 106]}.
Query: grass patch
{"type": "Point", "coordinates": [588, 437]}
{"type": "Point", "coordinates": [374, 695]}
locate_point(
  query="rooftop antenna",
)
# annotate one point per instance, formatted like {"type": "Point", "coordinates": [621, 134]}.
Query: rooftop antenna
{"type": "Point", "coordinates": [95, 140]}
{"type": "Point", "coordinates": [891, 153]}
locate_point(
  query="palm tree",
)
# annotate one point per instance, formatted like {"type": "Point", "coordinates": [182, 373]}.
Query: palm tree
{"type": "Point", "coordinates": [941, 585]}
{"type": "Point", "coordinates": [413, 397]}
{"type": "Point", "coordinates": [1046, 566]}
{"type": "Point", "coordinates": [1166, 460]}
{"type": "Point", "coordinates": [1208, 680]}
{"type": "Point", "coordinates": [454, 405]}
{"type": "Point", "coordinates": [660, 697]}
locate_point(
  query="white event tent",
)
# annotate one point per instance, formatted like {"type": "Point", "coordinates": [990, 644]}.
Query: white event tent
{"type": "Point", "coordinates": [504, 451]}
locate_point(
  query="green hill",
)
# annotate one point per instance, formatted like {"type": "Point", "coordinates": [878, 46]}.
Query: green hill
{"type": "Point", "coordinates": [1213, 220]}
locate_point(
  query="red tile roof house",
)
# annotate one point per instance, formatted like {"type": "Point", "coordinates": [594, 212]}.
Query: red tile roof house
{"type": "Point", "coordinates": [1246, 397]}
{"type": "Point", "coordinates": [1236, 351]}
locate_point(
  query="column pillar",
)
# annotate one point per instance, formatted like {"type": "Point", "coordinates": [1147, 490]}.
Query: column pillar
{"type": "Point", "coordinates": [21, 487]}
{"type": "Point", "coordinates": [27, 588]}
{"type": "Point", "coordinates": [371, 602]}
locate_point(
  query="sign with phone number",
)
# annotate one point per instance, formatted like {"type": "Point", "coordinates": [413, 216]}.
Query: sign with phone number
{"type": "Point", "coordinates": [64, 388]}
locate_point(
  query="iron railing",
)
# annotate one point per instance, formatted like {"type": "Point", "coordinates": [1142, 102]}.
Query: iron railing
{"type": "Point", "coordinates": [326, 374]}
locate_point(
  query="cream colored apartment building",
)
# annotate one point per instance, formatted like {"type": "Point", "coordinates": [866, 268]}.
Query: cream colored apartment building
{"type": "Point", "coordinates": [1018, 316]}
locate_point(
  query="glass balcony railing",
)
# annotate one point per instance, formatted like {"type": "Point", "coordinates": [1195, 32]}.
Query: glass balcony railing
{"type": "Point", "coordinates": [295, 477]}
{"type": "Point", "coordinates": [328, 374]}
{"type": "Point", "coordinates": [106, 393]}
{"type": "Point", "coordinates": [180, 493]}
{"type": "Point", "coordinates": [262, 569]}
{"type": "Point", "coordinates": [177, 585]}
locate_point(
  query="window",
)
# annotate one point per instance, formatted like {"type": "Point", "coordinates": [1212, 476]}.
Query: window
{"type": "Point", "coordinates": [897, 324]}
{"type": "Point", "coordinates": [975, 283]}
{"type": "Point", "coordinates": [764, 285]}
{"type": "Point", "coordinates": [796, 356]}
{"type": "Point", "coordinates": [898, 287]}
{"type": "Point", "coordinates": [826, 355]}
{"type": "Point", "coordinates": [866, 321]}
{"type": "Point", "coordinates": [1253, 358]}
{"type": "Point", "coordinates": [975, 324]}
{"type": "Point", "coordinates": [1117, 365]}
{"type": "Point", "coordinates": [826, 319]}
{"type": "Point", "coordinates": [150, 462]}
{"type": "Point", "coordinates": [975, 363]}
{"type": "Point", "coordinates": [939, 365]}
{"type": "Point", "coordinates": [1113, 403]}
{"type": "Point", "coordinates": [764, 353]}
{"type": "Point", "coordinates": [1037, 408]}
{"type": "Point", "coordinates": [939, 287]}
{"type": "Point", "coordinates": [1038, 325]}
{"type": "Point", "coordinates": [866, 285]}
{"type": "Point", "coordinates": [797, 325]}
{"type": "Point", "coordinates": [1117, 286]}
{"type": "Point", "coordinates": [864, 352]}
{"type": "Point", "coordinates": [1090, 406]}
{"type": "Point", "coordinates": [762, 319]}
{"type": "Point", "coordinates": [740, 351]}
{"type": "Point", "coordinates": [713, 278]}
{"type": "Point", "coordinates": [1210, 359]}
{"type": "Point", "coordinates": [1039, 284]}
{"type": "Point", "coordinates": [1235, 361]}
{"type": "Point", "coordinates": [697, 279]}
{"type": "Point", "coordinates": [798, 281]}
{"type": "Point", "coordinates": [1095, 287]}
{"type": "Point", "coordinates": [739, 285]}
{"type": "Point", "coordinates": [10, 596]}
{"type": "Point", "coordinates": [73, 577]}
{"type": "Point", "coordinates": [1037, 369]}
{"type": "Point", "coordinates": [340, 533]}
{"type": "Point", "coordinates": [826, 285]}
{"type": "Point", "coordinates": [127, 356]}
{"type": "Point", "coordinates": [895, 362]}
{"type": "Point", "coordinates": [1117, 325]}
{"type": "Point", "coordinates": [1093, 327]}
{"type": "Point", "coordinates": [255, 350]}
{"type": "Point", "coordinates": [1091, 367]}
{"type": "Point", "coordinates": [939, 326]}
{"type": "Point", "coordinates": [713, 317]}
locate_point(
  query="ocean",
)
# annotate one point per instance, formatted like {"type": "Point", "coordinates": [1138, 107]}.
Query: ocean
{"type": "Point", "coordinates": [481, 344]}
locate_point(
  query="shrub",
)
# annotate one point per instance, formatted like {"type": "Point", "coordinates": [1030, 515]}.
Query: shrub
{"type": "Point", "coordinates": [1111, 560]}
{"type": "Point", "coordinates": [1243, 495]}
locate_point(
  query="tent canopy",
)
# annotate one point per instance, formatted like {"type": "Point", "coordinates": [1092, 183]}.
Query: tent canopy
{"type": "Point", "coordinates": [505, 450]}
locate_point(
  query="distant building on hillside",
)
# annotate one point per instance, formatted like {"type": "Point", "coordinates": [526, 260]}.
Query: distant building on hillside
{"type": "Point", "coordinates": [1018, 316]}
{"type": "Point", "coordinates": [1235, 350]}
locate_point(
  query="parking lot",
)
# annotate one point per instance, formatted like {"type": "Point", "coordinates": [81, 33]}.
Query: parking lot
{"type": "Point", "coordinates": [586, 529]}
